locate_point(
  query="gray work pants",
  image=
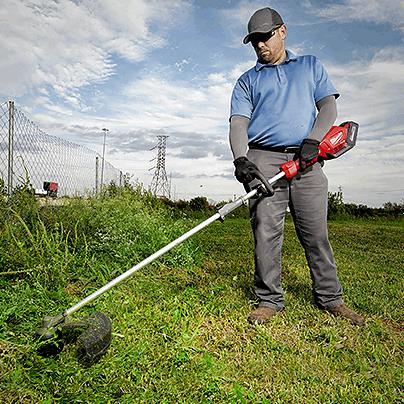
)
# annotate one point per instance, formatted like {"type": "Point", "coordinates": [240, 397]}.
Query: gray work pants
{"type": "Point", "coordinates": [307, 199]}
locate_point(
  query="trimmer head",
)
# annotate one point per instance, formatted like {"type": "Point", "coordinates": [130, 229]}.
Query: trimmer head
{"type": "Point", "coordinates": [92, 334]}
{"type": "Point", "coordinates": [95, 339]}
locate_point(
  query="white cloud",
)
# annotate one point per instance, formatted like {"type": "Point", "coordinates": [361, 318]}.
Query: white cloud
{"type": "Point", "coordinates": [181, 65]}
{"type": "Point", "coordinates": [372, 91]}
{"type": "Point", "coordinates": [241, 14]}
{"type": "Point", "coordinates": [371, 94]}
{"type": "Point", "coordinates": [382, 12]}
{"type": "Point", "coordinates": [239, 69]}
{"type": "Point", "coordinates": [217, 78]}
{"type": "Point", "coordinates": [156, 102]}
{"type": "Point", "coordinates": [67, 45]}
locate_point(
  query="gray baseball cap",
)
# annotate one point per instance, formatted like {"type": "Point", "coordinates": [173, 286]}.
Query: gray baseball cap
{"type": "Point", "coordinates": [263, 21]}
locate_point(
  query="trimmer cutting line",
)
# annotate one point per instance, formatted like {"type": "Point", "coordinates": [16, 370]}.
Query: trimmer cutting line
{"type": "Point", "coordinates": [93, 333]}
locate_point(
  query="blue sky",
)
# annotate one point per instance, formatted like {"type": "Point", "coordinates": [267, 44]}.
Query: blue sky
{"type": "Point", "coordinates": [144, 68]}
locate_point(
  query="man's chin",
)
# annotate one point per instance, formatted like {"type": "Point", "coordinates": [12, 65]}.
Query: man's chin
{"type": "Point", "coordinates": [265, 57]}
{"type": "Point", "coordinates": [264, 60]}
{"type": "Point", "coordinates": [268, 58]}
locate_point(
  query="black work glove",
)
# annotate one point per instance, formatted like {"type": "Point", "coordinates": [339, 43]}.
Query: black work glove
{"type": "Point", "coordinates": [245, 170]}
{"type": "Point", "coordinates": [308, 152]}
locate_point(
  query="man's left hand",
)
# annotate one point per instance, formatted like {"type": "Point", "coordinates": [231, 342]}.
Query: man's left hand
{"type": "Point", "coordinates": [308, 152]}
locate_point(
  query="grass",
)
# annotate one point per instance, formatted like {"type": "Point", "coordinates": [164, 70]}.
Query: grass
{"type": "Point", "coordinates": [179, 328]}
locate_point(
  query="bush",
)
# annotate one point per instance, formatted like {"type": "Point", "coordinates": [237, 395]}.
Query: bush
{"type": "Point", "coordinates": [198, 207]}
{"type": "Point", "coordinates": [337, 209]}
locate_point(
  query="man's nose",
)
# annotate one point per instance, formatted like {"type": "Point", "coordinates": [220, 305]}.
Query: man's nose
{"type": "Point", "coordinates": [260, 44]}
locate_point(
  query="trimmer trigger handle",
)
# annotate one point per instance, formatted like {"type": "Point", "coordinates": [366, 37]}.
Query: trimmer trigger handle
{"type": "Point", "coordinates": [268, 190]}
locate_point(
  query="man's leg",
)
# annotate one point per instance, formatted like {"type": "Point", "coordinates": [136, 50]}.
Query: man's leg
{"type": "Point", "coordinates": [309, 197]}
{"type": "Point", "coordinates": [267, 219]}
{"type": "Point", "coordinates": [309, 209]}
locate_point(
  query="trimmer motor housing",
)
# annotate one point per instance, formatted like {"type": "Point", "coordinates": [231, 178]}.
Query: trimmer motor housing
{"type": "Point", "coordinates": [337, 141]}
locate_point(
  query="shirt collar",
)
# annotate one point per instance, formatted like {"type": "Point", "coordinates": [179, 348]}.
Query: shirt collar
{"type": "Point", "coordinates": [290, 56]}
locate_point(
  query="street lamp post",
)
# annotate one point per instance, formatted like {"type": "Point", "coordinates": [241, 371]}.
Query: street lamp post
{"type": "Point", "coordinates": [105, 130]}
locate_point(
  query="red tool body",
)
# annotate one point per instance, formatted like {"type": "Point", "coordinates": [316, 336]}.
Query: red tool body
{"type": "Point", "coordinates": [337, 141]}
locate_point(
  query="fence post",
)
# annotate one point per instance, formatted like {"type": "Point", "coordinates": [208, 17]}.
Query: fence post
{"type": "Point", "coordinates": [10, 147]}
{"type": "Point", "coordinates": [120, 178]}
{"type": "Point", "coordinates": [96, 175]}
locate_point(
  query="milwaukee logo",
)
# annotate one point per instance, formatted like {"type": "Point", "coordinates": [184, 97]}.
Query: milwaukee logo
{"type": "Point", "coordinates": [337, 138]}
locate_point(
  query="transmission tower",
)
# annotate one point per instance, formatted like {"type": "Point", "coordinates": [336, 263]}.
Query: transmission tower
{"type": "Point", "coordinates": [159, 185]}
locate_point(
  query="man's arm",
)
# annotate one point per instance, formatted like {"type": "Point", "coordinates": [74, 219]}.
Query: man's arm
{"type": "Point", "coordinates": [238, 135]}
{"type": "Point", "coordinates": [327, 114]}
{"type": "Point", "coordinates": [246, 170]}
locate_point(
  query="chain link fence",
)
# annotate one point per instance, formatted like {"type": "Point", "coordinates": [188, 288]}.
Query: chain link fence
{"type": "Point", "coordinates": [28, 154]}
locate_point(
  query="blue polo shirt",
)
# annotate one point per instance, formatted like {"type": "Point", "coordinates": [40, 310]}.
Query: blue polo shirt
{"type": "Point", "coordinates": [280, 100]}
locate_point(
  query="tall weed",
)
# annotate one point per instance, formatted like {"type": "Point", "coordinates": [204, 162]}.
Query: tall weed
{"type": "Point", "coordinates": [88, 239]}
{"type": "Point", "coordinates": [41, 253]}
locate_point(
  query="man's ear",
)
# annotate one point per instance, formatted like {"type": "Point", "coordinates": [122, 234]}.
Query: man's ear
{"type": "Point", "coordinates": [283, 30]}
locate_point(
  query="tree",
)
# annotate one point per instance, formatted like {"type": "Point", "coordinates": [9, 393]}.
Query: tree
{"type": "Point", "coordinates": [394, 208]}
{"type": "Point", "coordinates": [199, 203]}
{"type": "Point", "coordinates": [336, 206]}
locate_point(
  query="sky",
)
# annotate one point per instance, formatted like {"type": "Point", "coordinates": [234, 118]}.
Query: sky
{"type": "Point", "coordinates": [143, 68]}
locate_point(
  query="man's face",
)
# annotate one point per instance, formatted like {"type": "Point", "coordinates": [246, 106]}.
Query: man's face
{"type": "Point", "coordinates": [270, 47]}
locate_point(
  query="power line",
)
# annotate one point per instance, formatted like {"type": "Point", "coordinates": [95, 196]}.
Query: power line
{"type": "Point", "coordinates": [159, 185]}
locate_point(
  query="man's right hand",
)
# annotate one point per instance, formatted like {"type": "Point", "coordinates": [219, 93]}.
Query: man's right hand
{"type": "Point", "coordinates": [308, 152]}
{"type": "Point", "coordinates": [245, 170]}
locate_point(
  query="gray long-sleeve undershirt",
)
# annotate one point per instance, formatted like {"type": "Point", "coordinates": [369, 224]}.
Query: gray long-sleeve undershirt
{"type": "Point", "coordinates": [327, 113]}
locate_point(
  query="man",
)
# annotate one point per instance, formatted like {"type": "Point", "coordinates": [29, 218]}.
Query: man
{"type": "Point", "coordinates": [274, 115]}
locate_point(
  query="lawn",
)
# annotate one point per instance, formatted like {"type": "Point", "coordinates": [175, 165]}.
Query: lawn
{"type": "Point", "coordinates": [179, 327]}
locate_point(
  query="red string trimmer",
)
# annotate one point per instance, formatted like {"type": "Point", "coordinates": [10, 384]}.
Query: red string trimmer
{"type": "Point", "coordinates": [94, 332]}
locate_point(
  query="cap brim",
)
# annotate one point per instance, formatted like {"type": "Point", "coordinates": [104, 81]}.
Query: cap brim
{"type": "Point", "coordinates": [247, 38]}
